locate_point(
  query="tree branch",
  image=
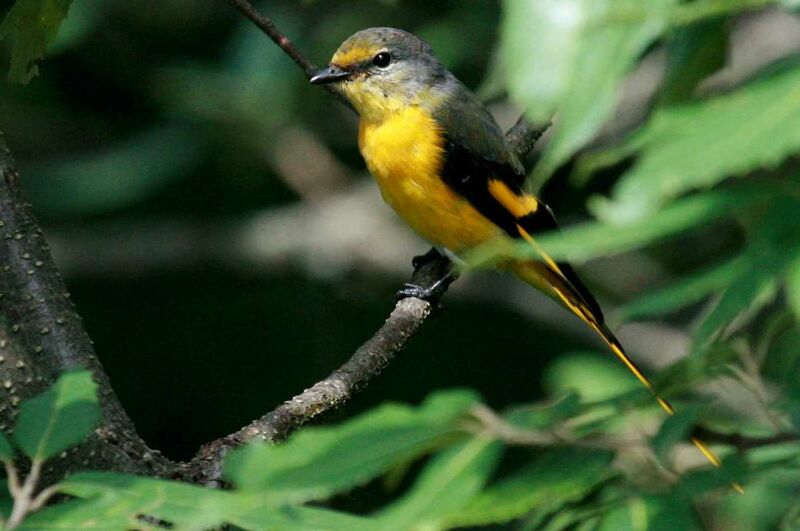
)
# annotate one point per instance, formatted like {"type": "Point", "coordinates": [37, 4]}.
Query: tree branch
{"type": "Point", "coordinates": [270, 30]}
{"type": "Point", "coordinates": [365, 364]}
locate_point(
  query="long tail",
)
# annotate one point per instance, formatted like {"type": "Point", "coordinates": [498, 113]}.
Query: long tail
{"type": "Point", "coordinates": [559, 281]}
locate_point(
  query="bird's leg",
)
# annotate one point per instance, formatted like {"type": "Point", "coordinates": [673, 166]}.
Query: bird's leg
{"type": "Point", "coordinates": [433, 273]}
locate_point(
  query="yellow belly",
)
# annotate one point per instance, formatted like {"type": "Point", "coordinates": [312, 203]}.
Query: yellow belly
{"type": "Point", "coordinates": [405, 154]}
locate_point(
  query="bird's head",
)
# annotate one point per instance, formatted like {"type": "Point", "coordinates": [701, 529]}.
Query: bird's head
{"type": "Point", "coordinates": [380, 70]}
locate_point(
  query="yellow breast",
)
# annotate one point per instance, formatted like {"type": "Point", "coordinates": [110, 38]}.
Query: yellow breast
{"type": "Point", "coordinates": [405, 154]}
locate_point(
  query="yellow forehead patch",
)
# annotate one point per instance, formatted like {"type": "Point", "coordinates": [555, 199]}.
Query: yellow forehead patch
{"type": "Point", "coordinates": [354, 55]}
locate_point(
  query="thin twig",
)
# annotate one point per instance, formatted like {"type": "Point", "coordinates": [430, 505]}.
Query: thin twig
{"type": "Point", "coordinates": [23, 496]}
{"type": "Point", "coordinates": [268, 27]}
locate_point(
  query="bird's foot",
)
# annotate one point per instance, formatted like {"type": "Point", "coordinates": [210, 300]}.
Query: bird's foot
{"type": "Point", "coordinates": [427, 293]}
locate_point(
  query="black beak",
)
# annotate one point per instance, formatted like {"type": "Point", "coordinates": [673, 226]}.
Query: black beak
{"type": "Point", "coordinates": [329, 74]}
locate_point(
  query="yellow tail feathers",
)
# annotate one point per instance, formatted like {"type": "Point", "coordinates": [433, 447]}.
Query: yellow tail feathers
{"type": "Point", "coordinates": [560, 287]}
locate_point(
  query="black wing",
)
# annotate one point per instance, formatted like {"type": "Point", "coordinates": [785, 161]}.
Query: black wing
{"type": "Point", "coordinates": [469, 175]}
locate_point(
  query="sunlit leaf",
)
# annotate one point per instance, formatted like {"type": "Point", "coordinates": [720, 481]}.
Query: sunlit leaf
{"type": "Point", "coordinates": [32, 24]}
{"type": "Point", "coordinates": [699, 144]}
{"type": "Point", "coordinates": [120, 501]}
{"type": "Point", "coordinates": [583, 242]}
{"type": "Point", "coordinates": [592, 376]}
{"type": "Point", "coordinates": [181, 504]}
{"type": "Point", "coordinates": [100, 513]}
{"type": "Point", "coordinates": [550, 481]}
{"type": "Point", "coordinates": [59, 418]}
{"type": "Point", "coordinates": [569, 57]}
{"type": "Point", "coordinates": [446, 485]}
{"type": "Point", "coordinates": [320, 461]}
{"type": "Point", "coordinates": [698, 10]}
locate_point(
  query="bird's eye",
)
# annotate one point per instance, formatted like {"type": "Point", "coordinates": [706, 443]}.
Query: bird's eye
{"type": "Point", "coordinates": [382, 60]}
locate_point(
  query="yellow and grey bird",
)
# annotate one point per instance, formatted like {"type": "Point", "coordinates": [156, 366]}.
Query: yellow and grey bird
{"type": "Point", "coordinates": [443, 164]}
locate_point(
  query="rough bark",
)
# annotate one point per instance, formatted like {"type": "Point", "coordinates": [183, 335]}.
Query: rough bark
{"type": "Point", "coordinates": [41, 335]}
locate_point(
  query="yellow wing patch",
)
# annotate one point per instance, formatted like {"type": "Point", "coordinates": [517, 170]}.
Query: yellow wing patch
{"type": "Point", "coordinates": [519, 205]}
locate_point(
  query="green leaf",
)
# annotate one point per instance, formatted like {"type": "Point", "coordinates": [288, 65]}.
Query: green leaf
{"type": "Point", "coordinates": [263, 518]}
{"type": "Point", "coordinates": [6, 450]}
{"type": "Point", "coordinates": [652, 513]}
{"type": "Point", "coordinates": [704, 364]}
{"type": "Point", "coordinates": [579, 243]}
{"type": "Point", "coordinates": [552, 480]}
{"type": "Point", "coordinates": [698, 145]}
{"type": "Point", "coordinates": [119, 501]}
{"type": "Point", "coordinates": [570, 56]}
{"type": "Point", "coordinates": [446, 485]}
{"type": "Point", "coordinates": [695, 52]}
{"type": "Point", "coordinates": [675, 429]}
{"type": "Point", "coordinates": [543, 416]}
{"type": "Point", "coordinates": [59, 418]}
{"type": "Point", "coordinates": [187, 506]}
{"type": "Point", "coordinates": [319, 462]}
{"type": "Point", "coordinates": [688, 290]}
{"type": "Point", "coordinates": [701, 481]}
{"type": "Point", "coordinates": [774, 245]}
{"type": "Point", "coordinates": [592, 376]}
{"type": "Point", "coordinates": [101, 513]}
{"type": "Point", "coordinates": [749, 292]}
{"type": "Point", "coordinates": [32, 24]}
{"type": "Point", "coordinates": [698, 10]}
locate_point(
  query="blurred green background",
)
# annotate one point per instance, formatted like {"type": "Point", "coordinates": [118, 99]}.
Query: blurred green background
{"type": "Point", "coordinates": [226, 249]}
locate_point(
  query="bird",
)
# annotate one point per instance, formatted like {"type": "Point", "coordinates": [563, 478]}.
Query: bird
{"type": "Point", "coordinates": [444, 165]}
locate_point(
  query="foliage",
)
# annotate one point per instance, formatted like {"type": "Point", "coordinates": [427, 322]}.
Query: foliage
{"type": "Point", "coordinates": [58, 418]}
{"type": "Point", "coordinates": [32, 24]}
{"type": "Point", "coordinates": [705, 185]}
{"type": "Point", "coordinates": [272, 483]}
